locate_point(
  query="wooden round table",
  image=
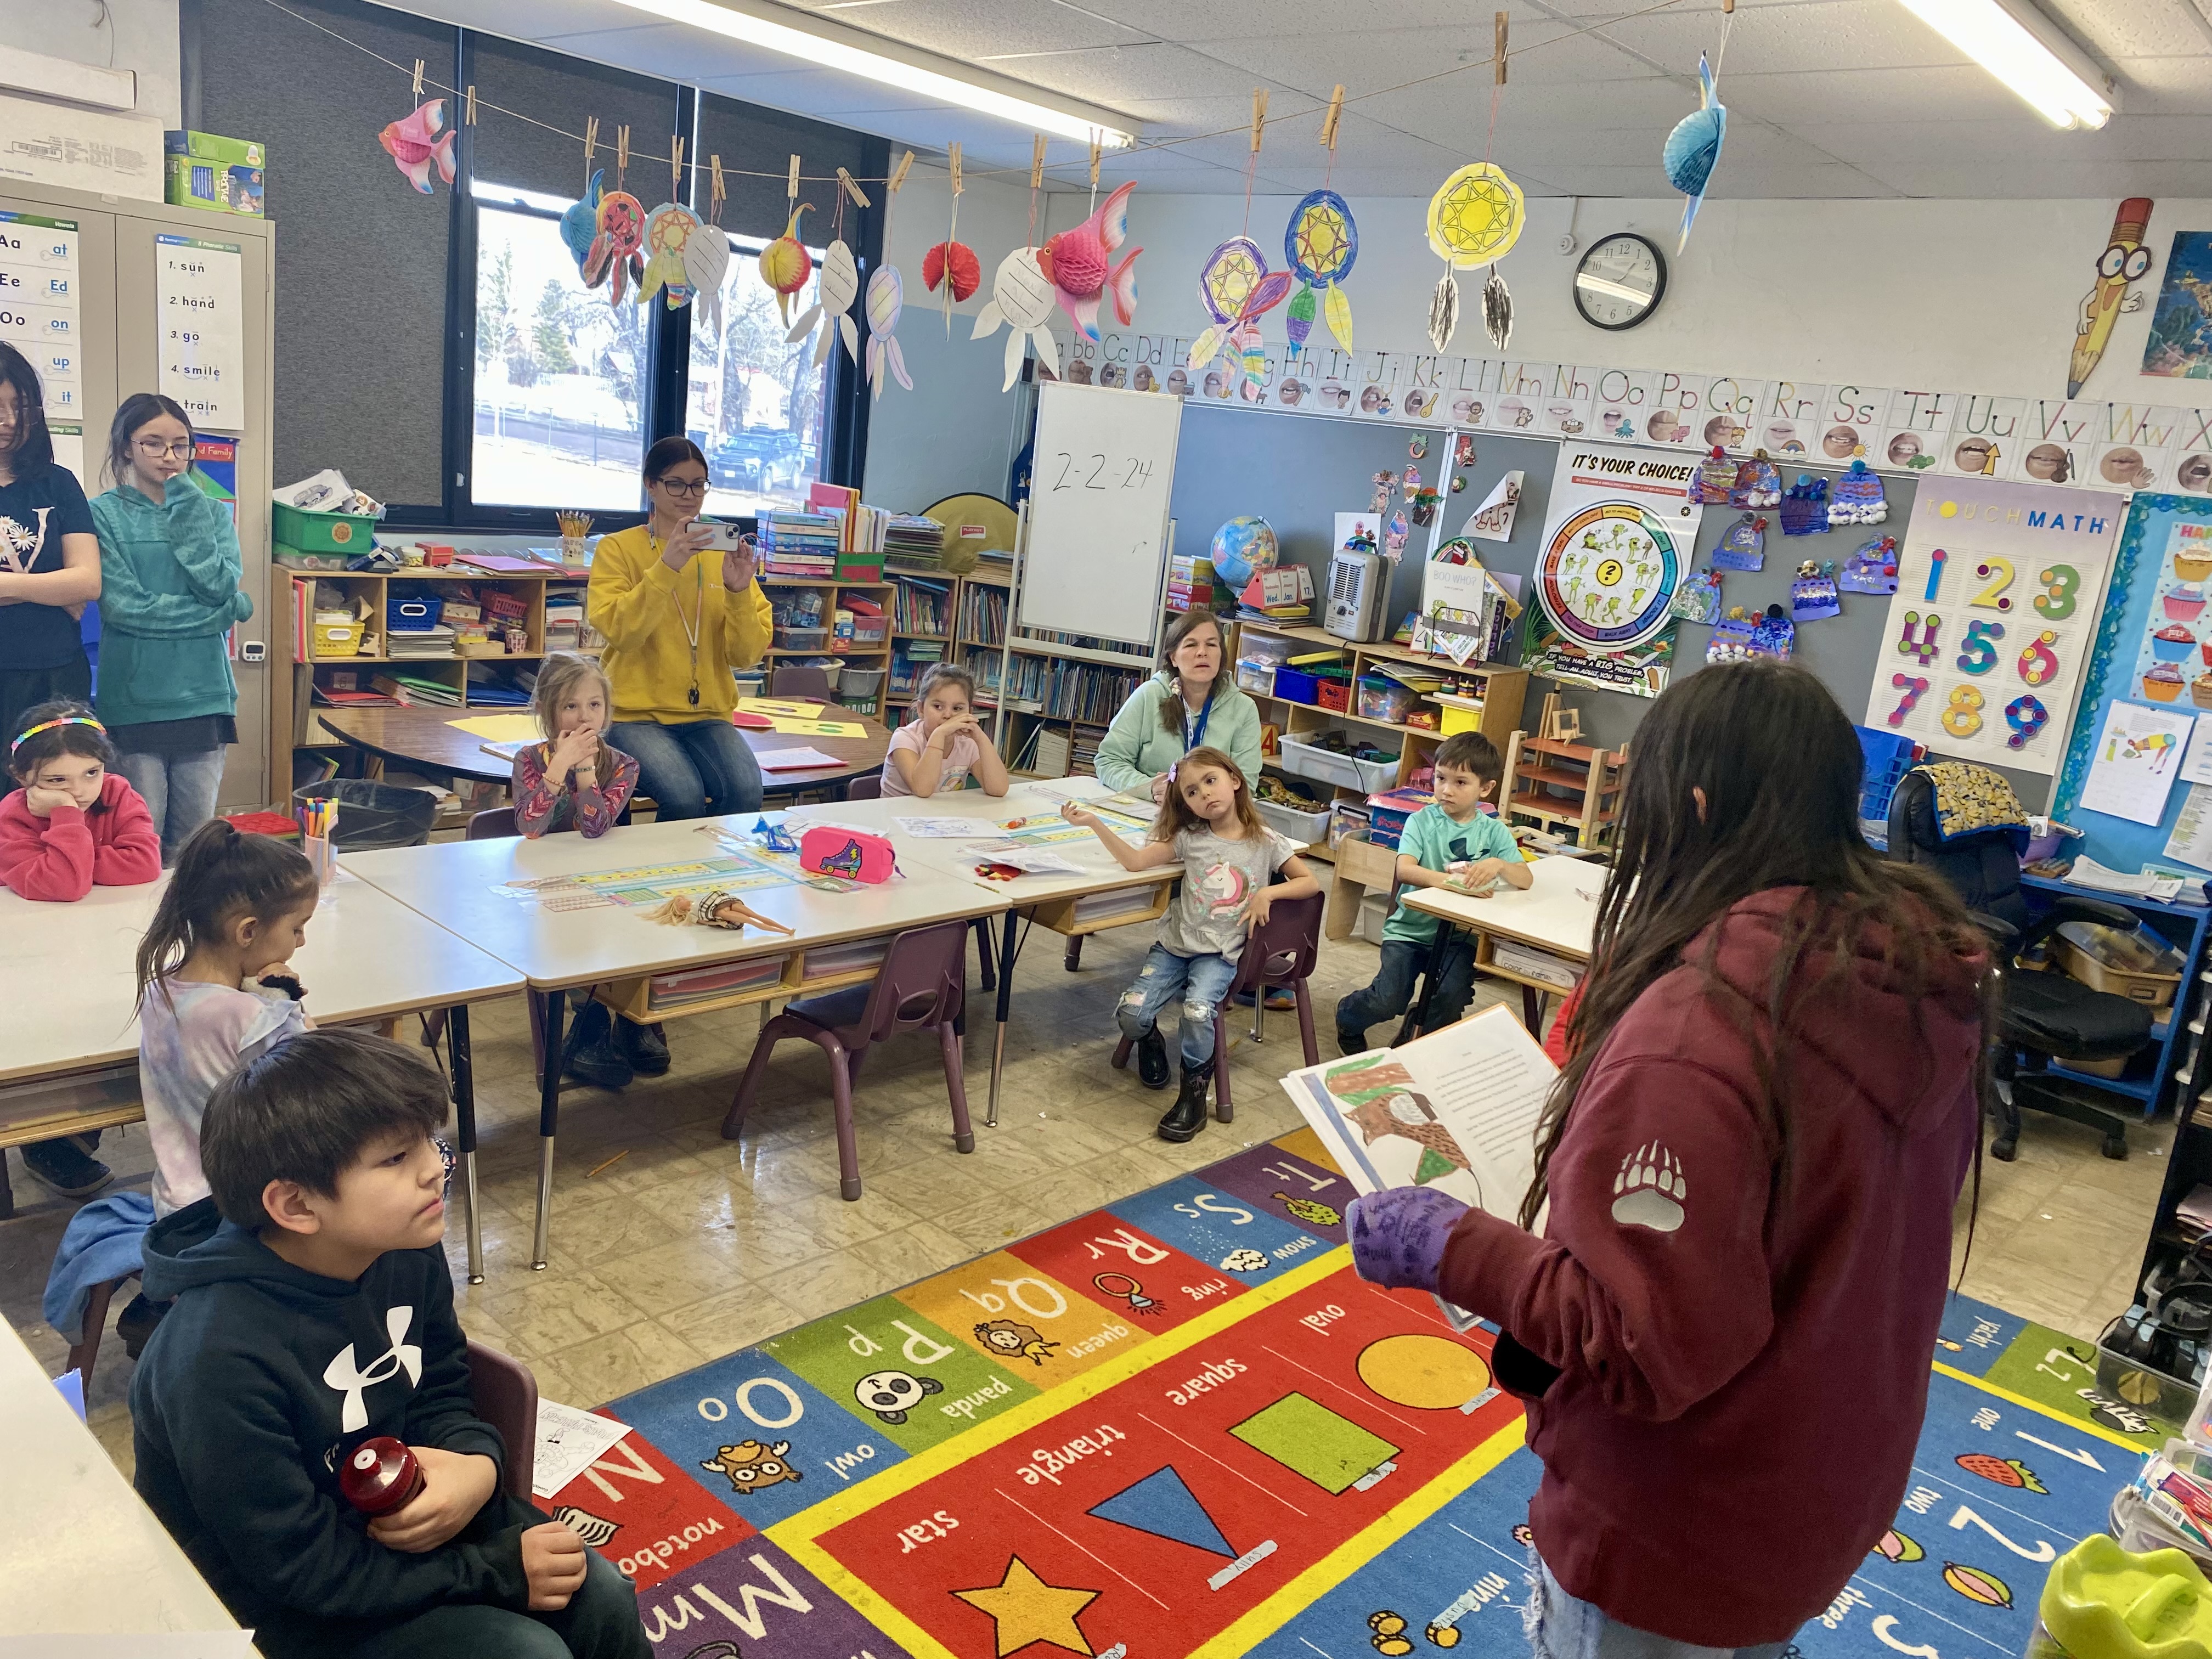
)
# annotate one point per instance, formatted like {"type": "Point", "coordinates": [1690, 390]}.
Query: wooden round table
{"type": "Point", "coordinates": [424, 740]}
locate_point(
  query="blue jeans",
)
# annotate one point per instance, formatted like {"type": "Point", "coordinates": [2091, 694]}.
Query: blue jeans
{"type": "Point", "coordinates": [178, 791]}
{"type": "Point", "coordinates": [1392, 992]}
{"type": "Point", "coordinates": [599, 1622]}
{"type": "Point", "coordinates": [1563, 1626]}
{"type": "Point", "coordinates": [690, 770]}
{"type": "Point", "coordinates": [1201, 981]}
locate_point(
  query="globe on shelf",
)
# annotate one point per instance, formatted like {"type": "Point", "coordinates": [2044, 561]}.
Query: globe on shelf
{"type": "Point", "coordinates": [1242, 546]}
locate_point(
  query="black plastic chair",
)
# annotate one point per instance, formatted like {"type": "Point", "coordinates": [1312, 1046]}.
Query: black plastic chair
{"type": "Point", "coordinates": [2042, 1015]}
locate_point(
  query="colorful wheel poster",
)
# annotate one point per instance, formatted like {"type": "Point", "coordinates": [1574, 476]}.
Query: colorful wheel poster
{"type": "Point", "coordinates": [1617, 534]}
{"type": "Point", "coordinates": [1999, 589]}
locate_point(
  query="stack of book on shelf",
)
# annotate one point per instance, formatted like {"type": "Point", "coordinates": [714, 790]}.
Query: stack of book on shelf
{"type": "Point", "coordinates": [920, 607]}
{"type": "Point", "coordinates": [983, 614]}
{"type": "Point", "coordinates": [912, 540]}
{"type": "Point", "coordinates": [419, 644]}
{"type": "Point", "coordinates": [1050, 753]}
{"type": "Point", "coordinates": [345, 687]}
{"type": "Point", "coordinates": [411, 689]}
{"type": "Point", "coordinates": [486, 692]}
{"type": "Point", "coordinates": [1190, 582]}
{"type": "Point", "coordinates": [803, 544]}
{"type": "Point", "coordinates": [1084, 749]}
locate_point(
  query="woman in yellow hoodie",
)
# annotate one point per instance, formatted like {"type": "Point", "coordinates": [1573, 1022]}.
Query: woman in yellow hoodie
{"type": "Point", "coordinates": [678, 617]}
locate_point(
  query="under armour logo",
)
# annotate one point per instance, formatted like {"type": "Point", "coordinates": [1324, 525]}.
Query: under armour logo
{"type": "Point", "coordinates": [345, 1375]}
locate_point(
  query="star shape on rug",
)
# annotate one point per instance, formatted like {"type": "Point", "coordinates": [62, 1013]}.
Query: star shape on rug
{"type": "Point", "coordinates": [1026, 1609]}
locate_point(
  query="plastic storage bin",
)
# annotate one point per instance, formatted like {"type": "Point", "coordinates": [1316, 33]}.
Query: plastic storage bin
{"type": "Point", "coordinates": [2140, 966]}
{"type": "Point", "coordinates": [1306, 828]}
{"type": "Point", "coordinates": [1297, 685]}
{"type": "Point", "coordinates": [1382, 698]}
{"type": "Point", "coordinates": [349, 533]}
{"type": "Point", "coordinates": [861, 682]}
{"type": "Point", "coordinates": [372, 814]}
{"type": "Point", "coordinates": [1312, 759]}
{"type": "Point", "coordinates": [1257, 677]}
{"type": "Point", "coordinates": [1889, 758]}
{"type": "Point", "coordinates": [1333, 690]}
{"type": "Point", "coordinates": [1269, 648]}
{"type": "Point", "coordinates": [335, 638]}
{"type": "Point", "coordinates": [412, 616]}
{"type": "Point", "coordinates": [802, 639]}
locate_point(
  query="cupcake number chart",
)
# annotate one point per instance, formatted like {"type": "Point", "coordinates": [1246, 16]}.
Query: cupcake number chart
{"type": "Point", "coordinates": [1999, 587]}
{"type": "Point", "coordinates": [200, 293]}
{"type": "Point", "coordinates": [2173, 659]}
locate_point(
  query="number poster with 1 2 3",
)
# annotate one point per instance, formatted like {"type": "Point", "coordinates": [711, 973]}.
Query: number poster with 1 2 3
{"type": "Point", "coordinates": [1998, 592]}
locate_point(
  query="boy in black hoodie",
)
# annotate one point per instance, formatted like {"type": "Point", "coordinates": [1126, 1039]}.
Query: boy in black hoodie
{"type": "Point", "coordinates": [314, 1311]}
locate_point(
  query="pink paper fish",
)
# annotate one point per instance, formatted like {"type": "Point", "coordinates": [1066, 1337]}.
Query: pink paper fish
{"type": "Point", "coordinates": [424, 138]}
{"type": "Point", "coordinates": [1077, 263]}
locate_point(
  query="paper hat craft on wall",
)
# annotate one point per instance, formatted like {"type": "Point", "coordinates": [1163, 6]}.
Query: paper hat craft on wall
{"type": "Point", "coordinates": [1744, 547]}
{"type": "Point", "coordinates": [1494, 519]}
{"type": "Point", "coordinates": [1813, 594]}
{"type": "Point", "coordinates": [1319, 244]}
{"type": "Point", "coordinates": [785, 263]}
{"type": "Point", "coordinates": [1715, 480]}
{"type": "Point", "coordinates": [1238, 290]}
{"type": "Point", "coordinates": [1739, 634]}
{"type": "Point", "coordinates": [886, 299]}
{"type": "Point", "coordinates": [1757, 483]}
{"type": "Point", "coordinates": [1859, 498]}
{"type": "Point", "coordinates": [1022, 298]}
{"type": "Point", "coordinates": [1872, 569]}
{"type": "Point", "coordinates": [841, 286]}
{"type": "Point", "coordinates": [1699, 598]}
{"type": "Point", "coordinates": [2124, 260]}
{"type": "Point", "coordinates": [1693, 148]}
{"type": "Point", "coordinates": [1805, 508]}
{"type": "Point", "coordinates": [421, 141]}
{"type": "Point", "coordinates": [1078, 262]}
{"type": "Point", "coordinates": [668, 232]}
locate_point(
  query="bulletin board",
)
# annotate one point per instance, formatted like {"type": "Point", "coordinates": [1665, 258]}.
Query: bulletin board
{"type": "Point", "coordinates": [2144, 577]}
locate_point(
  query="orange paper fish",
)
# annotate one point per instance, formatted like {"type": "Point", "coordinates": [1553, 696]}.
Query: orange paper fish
{"type": "Point", "coordinates": [419, 143]}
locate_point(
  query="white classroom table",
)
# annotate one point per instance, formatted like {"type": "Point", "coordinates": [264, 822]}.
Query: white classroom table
{"type": "Point", "coordinates": [455, 884]}
{"type": "Point", "coordinates": [1557, 912]}
{"type": "Point", "coordinates": [67, 989]}
{"type": "Point", "coordinates": [1027, 896]}
{"type": "Point", "coordinates": [84, 1554]}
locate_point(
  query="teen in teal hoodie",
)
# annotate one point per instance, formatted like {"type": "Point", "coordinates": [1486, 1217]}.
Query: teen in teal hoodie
{"type": "Point", "coordinates": [170, 569]}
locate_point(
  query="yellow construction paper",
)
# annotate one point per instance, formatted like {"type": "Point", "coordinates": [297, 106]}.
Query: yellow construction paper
{"type": "Point", "coordinates": [799, 728]}
{"type": "Point", "coordinates": [500, 728]}
{"type": "Point", "coordinates": [802, 708]}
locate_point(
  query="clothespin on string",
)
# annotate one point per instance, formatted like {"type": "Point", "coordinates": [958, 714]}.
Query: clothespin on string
{"type": "Point", "coordinates": [898, 172]}
{"type": "Point", "coordinates": [791, 189]}
{"type": "Point", "coordinates": [1259, 116]}
{"type": "Point", "coordinates": [1329, 121]}
{"type": "Point", "coordinates": [416, 92]}
{"type": "Point", "coordinates": [953, 151]}
{"type": "Point", "coordinates": [845, 183]}
{"type": "Point", "coordinates": [621, 155]}
{"type": "Point", "coordinates": [1036, 163]}
{"type": "Point", "coordinates": [718, 195]}
{"type": "Point", "coordinates": [591, 144]}
{"type": "Point", "coordinates": [676, 165]}
{"type": "Point", "coordinates": [1501, 25]}
{"type": "Point", "coordinates": [471, 118]}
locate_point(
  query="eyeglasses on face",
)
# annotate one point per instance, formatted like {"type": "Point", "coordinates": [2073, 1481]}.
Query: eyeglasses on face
{"type": "Point", "coordinates": [679, 487]}
{"type": "Point", "coordinates": [447, 1156]}
{"type": "Point", "coordinates": [154, 449]}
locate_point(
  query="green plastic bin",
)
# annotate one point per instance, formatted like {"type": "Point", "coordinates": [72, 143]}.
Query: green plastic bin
{"type": "Point", "coordinates": [349, 533]}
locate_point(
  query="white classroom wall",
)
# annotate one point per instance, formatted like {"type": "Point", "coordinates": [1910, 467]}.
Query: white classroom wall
{"type": "Point", "coordinates": [1952, 296]}
{"type": "Point", "coordinates": [138, 35]}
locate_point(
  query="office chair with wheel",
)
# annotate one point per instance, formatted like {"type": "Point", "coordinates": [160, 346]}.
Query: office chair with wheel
{"type": "Point", "coordinates": [2042, 1016]}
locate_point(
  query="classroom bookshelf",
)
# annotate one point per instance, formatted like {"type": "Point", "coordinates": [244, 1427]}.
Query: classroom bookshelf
{"type": "Point", "coordinates": [864, 657]}
{"type": "Point", "coordinates": [311, 661]}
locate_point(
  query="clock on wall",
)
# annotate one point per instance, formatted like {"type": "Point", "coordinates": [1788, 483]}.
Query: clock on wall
{"type": "Point", "coordinates": [1620, 281]}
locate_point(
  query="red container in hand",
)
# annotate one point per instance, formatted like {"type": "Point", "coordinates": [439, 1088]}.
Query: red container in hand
{"type": "Point", "coordinates": [380, 1476]}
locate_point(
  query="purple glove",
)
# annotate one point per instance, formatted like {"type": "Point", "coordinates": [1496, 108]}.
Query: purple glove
{"type": "Point", "coordinates": [1398, 1237]}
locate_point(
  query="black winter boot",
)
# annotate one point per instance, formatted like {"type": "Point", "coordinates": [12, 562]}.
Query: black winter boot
{"type": "Point", "coordinates": [590, 1055]}
{"type": "Point", "coordinates": [1187, 1116]}
{"type": "Point", "coordinates": [1152, 1059]}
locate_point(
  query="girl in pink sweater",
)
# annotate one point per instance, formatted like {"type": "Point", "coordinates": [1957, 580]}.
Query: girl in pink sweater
{"type": "Point", "coordinates": [72, 823]}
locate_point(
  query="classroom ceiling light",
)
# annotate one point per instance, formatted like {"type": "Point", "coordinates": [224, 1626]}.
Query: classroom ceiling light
{"type": "Point", "coordinates": [825, 44]}
{"type": "Point", "coordinates": [2021, 47]}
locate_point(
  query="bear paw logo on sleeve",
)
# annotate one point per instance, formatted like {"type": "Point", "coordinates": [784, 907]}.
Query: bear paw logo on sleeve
{"type": "Point", "coordinates": [1650, 1189]}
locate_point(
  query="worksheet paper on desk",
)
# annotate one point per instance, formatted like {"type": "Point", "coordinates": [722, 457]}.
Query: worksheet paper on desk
{"type": "Point", "coordinates": [1029, 861]}
{"type": "Point", "coordinates": [937, 829]}
{"type": "Point", "coordinates": [569, 1441]}
{"type": "Point", "coordinates": [1455, 1111]}
{"type": "Point", "coordinates": [795, 760]}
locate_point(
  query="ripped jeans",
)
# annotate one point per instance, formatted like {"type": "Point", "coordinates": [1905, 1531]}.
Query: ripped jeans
{"type": "Point", "coordinates": [1564, 1626]}
{"type": "Point", "coordinates": [1201, 981]}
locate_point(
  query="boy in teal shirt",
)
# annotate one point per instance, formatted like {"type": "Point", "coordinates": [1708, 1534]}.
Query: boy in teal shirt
{"type": "Point", "coordinates": [1455, 844]}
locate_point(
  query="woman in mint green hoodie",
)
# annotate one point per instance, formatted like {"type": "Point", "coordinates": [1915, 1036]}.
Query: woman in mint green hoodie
{"type": "Point", "coordinates": [1190, 701]}
{"type": "Point", "coordinates": [170, 568]}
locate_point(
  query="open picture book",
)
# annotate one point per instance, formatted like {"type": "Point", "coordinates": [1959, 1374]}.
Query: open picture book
{"type": "Point", "coordinates": [1456, 1109]}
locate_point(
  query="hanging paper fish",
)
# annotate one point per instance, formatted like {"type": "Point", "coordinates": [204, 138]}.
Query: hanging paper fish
{"type": "Point", "coordinates": [1022, 299]}
{"type": "Point", "coordinates": [1238, 290]}
{"type": "Point", "coordinates": [668, 232]}
{"type": "Point", "coordinates": [1319, 244]}
{"type": "Point", "coordinates": [614, 255]}
{"type": "Point", "coordinates": [579, 225]}
{"type": "Point", "coordinates": [841, 286]}
{"type": "Point", "coordinates": [419, 143]}
{"type": "Point", "coordinates": [1694, 146]}
{"type": "Point", "coordinates": [953, 268]}
{"type": "Point", "coordinates": [706, 263]}
{"type": "Point", "coordinates": [1077, 263]}
{"type": "Point", "coordinates": [886, 299]}
{"type": "Point", "coordinates": [785, 263]}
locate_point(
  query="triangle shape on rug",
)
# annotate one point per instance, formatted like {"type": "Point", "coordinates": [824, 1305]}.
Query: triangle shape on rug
{"type": "Point", "coordinates": [1163, 1505]}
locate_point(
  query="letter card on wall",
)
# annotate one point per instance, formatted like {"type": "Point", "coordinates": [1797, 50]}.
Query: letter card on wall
{"type": "Point", "coordinates": [1998, 593]}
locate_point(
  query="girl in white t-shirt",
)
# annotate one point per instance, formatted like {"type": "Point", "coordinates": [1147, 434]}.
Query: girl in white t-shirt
{"type": "Point", "coordinates": [935, 752]}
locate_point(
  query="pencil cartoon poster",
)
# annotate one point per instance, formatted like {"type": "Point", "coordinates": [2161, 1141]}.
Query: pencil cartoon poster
{"type": "Point", "coordinates": [1999, 585]}
{"type": "Point", "coordinates": [1619, 528]}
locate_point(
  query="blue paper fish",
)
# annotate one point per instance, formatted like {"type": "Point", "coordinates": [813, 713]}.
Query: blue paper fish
{"type": "Point", "coordinates": [1694, 148]}
{"type": "Point", "coordinates": [580, 223]}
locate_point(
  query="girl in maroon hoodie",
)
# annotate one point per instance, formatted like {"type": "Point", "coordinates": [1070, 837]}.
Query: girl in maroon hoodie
{"type": "Point", "coordinates": [1772, 1098]}
{"type": "Point", "coordinates": [73, 822]}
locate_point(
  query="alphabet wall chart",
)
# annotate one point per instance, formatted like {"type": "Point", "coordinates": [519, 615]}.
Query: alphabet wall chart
{"type": "Point", "coordinates": [40, 317]}
{"type": "Point", "coordinates": [1998, 590]}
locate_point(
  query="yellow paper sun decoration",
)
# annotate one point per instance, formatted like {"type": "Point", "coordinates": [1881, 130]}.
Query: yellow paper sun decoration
{"type": "Point", "coordinates": [1476, 216]}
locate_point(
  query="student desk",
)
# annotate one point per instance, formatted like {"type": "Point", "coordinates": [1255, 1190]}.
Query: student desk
{"type": "Point", "coordinates": [1103, 896]}
{"type": "Point", "coordinates": [554, 949]}
{"type": "Point", "coordinates": [69, 1036]}
{"type": "Point", "coordinates": [1557, 913]}
{"type": "Point", "coordinates": [84, 1554]}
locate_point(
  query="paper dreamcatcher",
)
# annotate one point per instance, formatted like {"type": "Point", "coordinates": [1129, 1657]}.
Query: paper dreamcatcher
{"type": "Point", "coordinates": [1693, 148]}
{"type": "Point", "coordinates": [1474, 219]}
{"type": "Point", "coordinates": [669, 229]}
{"type": "Point", "coordinates": [1319, 244]}
{"type": "Point", "coordinates": [1238, 290]}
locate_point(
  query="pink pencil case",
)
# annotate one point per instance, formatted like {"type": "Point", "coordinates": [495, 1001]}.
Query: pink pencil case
{"type": "Point", "coordinates": [853, 854]}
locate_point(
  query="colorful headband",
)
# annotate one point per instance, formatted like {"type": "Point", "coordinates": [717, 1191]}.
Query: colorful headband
{"type": "Point", "coordinates": [48, 725]}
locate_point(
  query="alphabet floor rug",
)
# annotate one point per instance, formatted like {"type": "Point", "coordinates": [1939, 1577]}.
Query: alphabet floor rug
{"type": "Point", "coordinates": [1181, 1425]}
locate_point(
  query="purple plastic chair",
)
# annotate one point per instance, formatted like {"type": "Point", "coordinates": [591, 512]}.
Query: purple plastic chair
{"type": "Point", "coordinates": [871, 787]}
{"type": "Point", "coordinates": [1280, 953]}
{"type": "Point", "coordinates": [503, 1392]}
{"type": "Point", "coordinates": [811, 684]}
{"type": "Point", "coordinates": [922, 986]}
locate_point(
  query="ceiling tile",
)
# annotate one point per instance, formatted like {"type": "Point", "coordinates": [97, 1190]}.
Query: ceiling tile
{"type": "Point", "coordinates": [1958, 93]}
{"type": "Point", "coordinates": [2128, 141]}
{"type": "Point", "coordinates": [1854, 34]}
{"type": "Point", "coordinates": [2165, 86]}
{"type": "Point", "coordinates": [1943, 175]}
{"type": "Point", "coordinates": [2134, 29]}
{"type": "Point", "coordinates": [982, 31]}
{"type": "Point", "coordinates": [1370, 60]}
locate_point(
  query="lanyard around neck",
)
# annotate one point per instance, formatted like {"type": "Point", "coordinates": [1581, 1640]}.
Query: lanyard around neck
{"type": "Point", "coordinates": [694, 622]}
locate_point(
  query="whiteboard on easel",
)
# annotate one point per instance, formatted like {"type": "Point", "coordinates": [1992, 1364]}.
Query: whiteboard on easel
{"type": "Point", "coordinates": [1102, 469]}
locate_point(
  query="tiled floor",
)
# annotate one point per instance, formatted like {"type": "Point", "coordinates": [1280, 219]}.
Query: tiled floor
{"type": "Point", "coordinates": [689, 1246]}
